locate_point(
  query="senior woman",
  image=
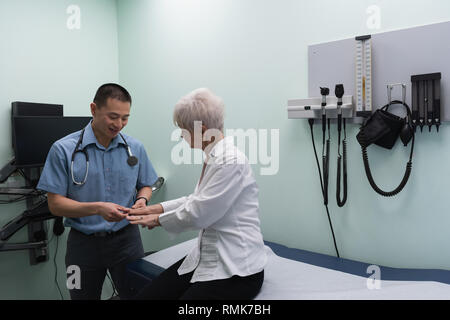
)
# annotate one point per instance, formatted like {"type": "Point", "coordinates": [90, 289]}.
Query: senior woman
{"type": "Point", "coordinates": [229, 257]}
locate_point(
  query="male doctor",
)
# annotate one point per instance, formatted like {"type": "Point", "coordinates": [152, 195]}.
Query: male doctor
{"type": "Point", "coordinates": [92, 176]}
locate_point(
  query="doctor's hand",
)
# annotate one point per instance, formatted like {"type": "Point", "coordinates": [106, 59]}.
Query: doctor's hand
{"type": "Point", "coordinates": [112, 212]}
{"type": "Point", "coordinates": [150, 220]}
{"type": "Point", "coordinates": [141, 203]}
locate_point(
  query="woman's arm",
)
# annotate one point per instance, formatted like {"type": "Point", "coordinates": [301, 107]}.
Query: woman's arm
{"type": "Point", "coordinates": [153, 209]}
{"type": "Point", "coordinates": [158, 208]}
{"type": "Point", "coordinates": [199, 210]}
{"type": "Point", "coordinates": [204, 208]}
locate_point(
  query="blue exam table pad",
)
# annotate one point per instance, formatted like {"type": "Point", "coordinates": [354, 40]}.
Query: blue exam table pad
{"type": "Point", "coordinates": [294, 274]}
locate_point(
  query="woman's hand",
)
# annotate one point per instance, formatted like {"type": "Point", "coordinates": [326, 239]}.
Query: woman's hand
{"type": "Point", "coordinates": [146, 216]}
{"type": "Point", "coordinates": [150, 220]}
{"type": "Point", "coordinates": [153, 209]}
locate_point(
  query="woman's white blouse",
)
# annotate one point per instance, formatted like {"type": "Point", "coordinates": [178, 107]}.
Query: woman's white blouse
{"type": "Point", "coordinates": [225, 207]}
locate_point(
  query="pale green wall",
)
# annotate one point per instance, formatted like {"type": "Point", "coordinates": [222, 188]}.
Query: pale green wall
{"type": "Point", "coordinates": [253, 53]}
{"type": "Point", "coordinates": [41, 60]}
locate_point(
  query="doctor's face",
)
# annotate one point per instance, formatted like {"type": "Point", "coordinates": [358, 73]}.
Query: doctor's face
{"type": "Point", "coordinates": [110, 119]}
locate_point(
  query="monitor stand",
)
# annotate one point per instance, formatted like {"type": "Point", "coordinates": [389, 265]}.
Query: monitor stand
{"type": "Point", "coordinates": [7, 170]}
{"type": "Point", "coordinates": [34, 217]}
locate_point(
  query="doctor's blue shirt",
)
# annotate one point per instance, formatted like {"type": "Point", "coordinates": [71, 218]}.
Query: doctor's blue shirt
{"type": "Point", "coordinates": [110, 178]}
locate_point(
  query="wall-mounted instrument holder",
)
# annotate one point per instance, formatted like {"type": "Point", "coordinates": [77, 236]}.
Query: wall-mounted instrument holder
{"type": "Point", "coordinates": [426, 100]}
{"type": "Point", "coordinates": [311, 108]}
{"type": "Point", "coordinates": [393, 58]}
{"type": "Point", "coordinates": [338, 108]}
{"type": "Point", "coordinates": [364, 65]}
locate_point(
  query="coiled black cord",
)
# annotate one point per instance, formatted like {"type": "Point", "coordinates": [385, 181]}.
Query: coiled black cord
{"type": "Point", "coordinates": [56, 268]}
{"type": "Point", "coordinates": [408, 164]}
{"type": "Point", "coordinates": [311, 122]}
{"type": "Point", "coordinates": [374, 185]}
{"type": "Point", "coordinates": [342, 202]}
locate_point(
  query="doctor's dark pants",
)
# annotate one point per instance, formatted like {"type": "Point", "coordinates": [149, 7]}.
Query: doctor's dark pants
{"type": "Point", "coordinates": [95, 254]}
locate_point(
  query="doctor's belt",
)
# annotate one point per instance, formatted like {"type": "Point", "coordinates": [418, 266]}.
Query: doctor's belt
{"type": "Point", "coordinates": [103, 234]}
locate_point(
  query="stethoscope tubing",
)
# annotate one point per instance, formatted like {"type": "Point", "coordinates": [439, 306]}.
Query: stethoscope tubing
{"type": "Point", "coordinates": [132, 160]}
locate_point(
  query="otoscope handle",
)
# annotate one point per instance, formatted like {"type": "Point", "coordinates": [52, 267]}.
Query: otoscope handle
{"type": "Point", "coordinates": [339, 122]}
{"type": "Point", "coordinates": [326, 170]}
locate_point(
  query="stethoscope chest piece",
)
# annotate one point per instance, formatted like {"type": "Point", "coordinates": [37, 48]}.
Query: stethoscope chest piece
{"type": "Point", "coordinates": [132, 161]}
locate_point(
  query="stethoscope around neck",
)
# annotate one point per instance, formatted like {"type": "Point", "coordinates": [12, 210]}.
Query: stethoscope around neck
{"type": "Point", "coordinates": [132, 160]}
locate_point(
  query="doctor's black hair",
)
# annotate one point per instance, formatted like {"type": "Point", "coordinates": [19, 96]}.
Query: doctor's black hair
{"type": "Point", "coordinates": [111, 90]}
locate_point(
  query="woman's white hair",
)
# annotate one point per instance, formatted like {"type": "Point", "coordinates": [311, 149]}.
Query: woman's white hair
{"type": "Point", "coordinates": [199, 105]}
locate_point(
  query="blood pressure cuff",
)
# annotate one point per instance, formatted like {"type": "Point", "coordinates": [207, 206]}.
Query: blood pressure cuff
{"type": "Point", "coordinates": [382, 128]}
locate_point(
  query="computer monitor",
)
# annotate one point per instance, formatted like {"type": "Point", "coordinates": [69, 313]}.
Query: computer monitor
{"type": "Point", "coordinates": [34, 135]}
{"type": "Point", "coordinates": [21, 108]}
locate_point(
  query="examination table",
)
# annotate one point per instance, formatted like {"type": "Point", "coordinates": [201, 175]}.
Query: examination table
{"type": "Point", "coordinates": [299, 274]}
